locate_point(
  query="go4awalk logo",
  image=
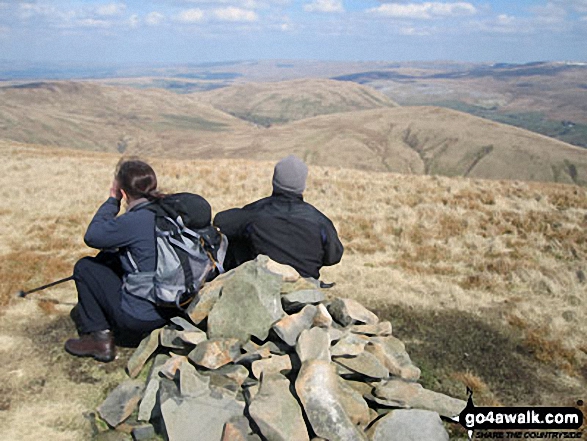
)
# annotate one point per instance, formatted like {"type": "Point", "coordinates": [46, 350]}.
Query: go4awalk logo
{"type": "Point", "coordinates": [521, 422]}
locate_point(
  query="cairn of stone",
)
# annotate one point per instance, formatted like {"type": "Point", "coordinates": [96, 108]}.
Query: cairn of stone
{"type": "Point", "coordinates": [262, 354]}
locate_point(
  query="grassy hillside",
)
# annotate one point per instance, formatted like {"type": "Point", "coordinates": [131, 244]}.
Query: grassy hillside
{"type": "Point", "coordinates": [104, 118]}
{"type": "Point", "coordinates": [275, 103]}
{"type": "Point", "coordinates": [422, 140]}
{"type": "Point", "coordinates": [484, 280]}
{"type": "Point", "coordinates": [414, 140]}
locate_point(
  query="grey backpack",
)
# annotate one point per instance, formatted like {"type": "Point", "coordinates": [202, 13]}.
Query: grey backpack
{"type": "Point", "coordinates": [186, 257]}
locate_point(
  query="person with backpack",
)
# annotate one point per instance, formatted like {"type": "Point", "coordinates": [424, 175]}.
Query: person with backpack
{"type": "Point", "coordinates": [282, 226]}
{"type": "Point", "coordinates": [128, 243]}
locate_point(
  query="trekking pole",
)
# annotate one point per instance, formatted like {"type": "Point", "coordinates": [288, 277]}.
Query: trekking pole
{"type": "Point", "coordinates": [23, 294]}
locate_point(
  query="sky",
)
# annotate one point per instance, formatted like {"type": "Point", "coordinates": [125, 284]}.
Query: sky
{"type": "Point", "coordinates": [197, 31]}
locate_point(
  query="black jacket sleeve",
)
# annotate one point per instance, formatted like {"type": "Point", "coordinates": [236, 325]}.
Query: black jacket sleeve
{"type": "Point", "coordinates": [333, 248]}
{"type": "Point", "coordinates": [233, 222]}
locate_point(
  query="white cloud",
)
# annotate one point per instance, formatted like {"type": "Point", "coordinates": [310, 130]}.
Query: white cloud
{"type": "Point", "coordinates": [324, 6]}
{"type": "Point", "coordinates": [577, 5]}
{"type": "Point", "coordinates": [426, 10]}
{"type": "Point", "coordinates": [154, 18]}
{"type": "Point", "coordinates": [134, 21]}
{"type": "Point", "coordinates": [235, 14]}
{"type": "Point", "coordinates": [191, 16]}
{"type": "Point", "coordinates": [93, 23]}
{"type": "Point", "coordinates": [111, 9]}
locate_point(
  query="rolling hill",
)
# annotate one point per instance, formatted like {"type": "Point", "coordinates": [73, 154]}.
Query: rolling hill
{"type": "Point", "coordinates": [282, 102]}
{"type": "Point", "coordinates": [414, 140]}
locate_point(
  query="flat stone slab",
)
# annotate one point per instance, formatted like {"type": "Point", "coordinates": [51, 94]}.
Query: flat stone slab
{"type": "Point", "coordinates": [409, 425]}
{"type": "Point", "coordinates": [250, 304]}
{"type": "Point", "coordinates": [202, 418]}
{"type": "Point", "coordinates": [215, 352]}
{"type": "Point", "coordinates": [276, 412]}
{"type": "Point", "coordinates": [298, 299]}
{"type": "Point", "coordinates": [349, 311]}
{"type": "Point", "coordinates": [273, 365]}
{"type": "Point", "coordinates": [366, 364]}
{"type": "Point", "coordinates": [143, 352]}
{"type": "Point", "coordinates": [288, 273]}
{"type": "Point", "coordinates": [400, 393]}
{"type": "Point", "coordinates": [349, 345]}
{"type": "Point", "coordinates": [318, 388]}
{"type": "Point", "coordinates": [391, 352]}
{"type": "Point", "coordinates": [380, 329]}
{"type": "Point", "coordinates": [121, 402]}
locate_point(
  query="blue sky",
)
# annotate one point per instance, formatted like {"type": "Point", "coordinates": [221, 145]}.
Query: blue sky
{"type": "Point", "coordinates": [193, 31]}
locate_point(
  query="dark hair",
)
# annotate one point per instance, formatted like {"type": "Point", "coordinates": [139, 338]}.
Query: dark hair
{"type": "Point", "coordinates": [137, 179]}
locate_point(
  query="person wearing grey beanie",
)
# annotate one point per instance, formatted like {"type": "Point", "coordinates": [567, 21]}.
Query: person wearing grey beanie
{"type": "Point", "coordinates": [282, 226]}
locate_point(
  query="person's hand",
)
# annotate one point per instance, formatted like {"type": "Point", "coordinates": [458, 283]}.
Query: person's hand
{"type": "Point", "coordinates": [115, 190]}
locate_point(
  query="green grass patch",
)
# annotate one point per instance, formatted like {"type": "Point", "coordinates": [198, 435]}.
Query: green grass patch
{"type": "Point", "coordinates": [185, 122]}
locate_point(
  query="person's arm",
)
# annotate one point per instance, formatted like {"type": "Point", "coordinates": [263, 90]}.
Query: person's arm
{"type": "Point", "coordinates": [233, 222]}
{"type": "Point", "coordinates": [333, 248]}
{"type": "Point", "coordinates": [105, 229]}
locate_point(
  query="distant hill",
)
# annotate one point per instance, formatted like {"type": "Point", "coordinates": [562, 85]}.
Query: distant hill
{"type": "Point", "coordinates": [424, 140]}
{"type": "Point", "coordinates": [412, 140]}
{"type": "Point", "coordinates": [89, 116]}
{"type": "Point", "coordinates": [270, 103]}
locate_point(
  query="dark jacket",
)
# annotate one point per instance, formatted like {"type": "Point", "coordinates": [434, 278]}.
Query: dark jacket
{"type": "Point", "coordinates": [285, 228]}
{"type": "Point", "coordinates": [133, 231]}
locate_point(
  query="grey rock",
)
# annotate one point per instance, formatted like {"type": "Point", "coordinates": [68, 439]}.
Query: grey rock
{"type": "Point", "coordinates": [298, 299]}
{"type": "Point", "coordinates": [170, 338]}
{"type": "Point", "coordinates": [236, 429]}
{"type": "Point", "coordinates": [291, 326]}
{"type": "Point", "coordinates": [336, 334]}
{"type": "Point", "coordinates": [121, 402]}
{"type": "Point", "coordinates": [400, 393]}
{"type": "Point", "coordinates": [288, 273]}
{"type": "Point", "coordinates": [191, 382]}
{"type": "Point", "coordinates": [366, 364]}
{"type": "Point", "coordinates": [171, 366]}
{"type": "Point", "coordinates": [183, 324]}
{"type": "Point", "coordinates": [143, 432]}
{"type": "Point", "coordinates": [380, 329]}
{"type": "Point", "coordinates": [194, 337]}
{"type": "Point", "coordinates": [349, 345]}
{"type": "Point", "coordinates": [354, 404]}
{"type": "Point", "coordinates": [318, 388]}
{"type": "Point", "coordinates": [274, 364]}
{"type": "Point", "coordinates": [391, 352]}
{"type": "Point", "coordinates": [276, 412]}
{"type": "Point", "coordinates": [202, 418]}
{"type": "Point", "coordinates": [299, 285]}
{"type": "Point", "coordinates": [143, 352]}
{"type": "Point", "coordinates": [409, 425]}
{"type": "Point", "coordinates": [348, 311]}
{"type": "Point", "coordinates": [215, 352]}
{"type": "Point", "coordinates": [322, 317]}
{"type": "Point", "coordinates": [206, 299]}
{"type": "Point", "coordinates": [313, 344]}
{"type": "Point", "coordinates": [250, 304]}
{"type": "Point", "coordinates": [147, 404]}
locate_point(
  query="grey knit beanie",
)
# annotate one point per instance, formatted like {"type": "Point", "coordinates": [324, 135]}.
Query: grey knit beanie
{"type": "Point", "coordinates": [290, 175]}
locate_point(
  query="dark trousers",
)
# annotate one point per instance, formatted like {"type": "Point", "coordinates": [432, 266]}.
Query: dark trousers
{"type": "Point", "coordinates": [99, 281]}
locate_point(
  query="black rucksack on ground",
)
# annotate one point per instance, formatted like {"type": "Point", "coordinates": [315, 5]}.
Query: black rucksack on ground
{"type": "Point", "coordinates": [190, 251]}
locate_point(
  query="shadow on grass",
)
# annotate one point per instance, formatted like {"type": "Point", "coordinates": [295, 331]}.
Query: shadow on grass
{"type": "Point", "coordinates": [443, 343]}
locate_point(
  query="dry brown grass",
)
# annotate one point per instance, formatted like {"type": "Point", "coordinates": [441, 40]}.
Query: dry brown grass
{"type": "Point", "coordinates": [509, 258]}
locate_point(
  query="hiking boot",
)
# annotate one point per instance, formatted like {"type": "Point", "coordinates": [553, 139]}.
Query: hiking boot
{"type": "Point", "coordinates": [99, 345]}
